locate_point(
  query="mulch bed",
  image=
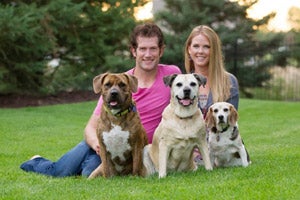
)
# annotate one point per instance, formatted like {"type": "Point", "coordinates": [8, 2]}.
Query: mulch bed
{"type": "Point", "coordinates": [18, 101]}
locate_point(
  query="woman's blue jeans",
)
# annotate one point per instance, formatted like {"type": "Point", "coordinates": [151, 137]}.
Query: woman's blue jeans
{"type": "Point", "coordinates": [81, 160]}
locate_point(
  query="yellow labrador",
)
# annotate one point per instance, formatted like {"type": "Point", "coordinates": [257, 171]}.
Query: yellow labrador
{"type": "Point", "coordinates": [181, 130]}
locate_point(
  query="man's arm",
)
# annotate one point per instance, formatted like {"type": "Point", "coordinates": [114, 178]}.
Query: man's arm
{"type": "Point", "coordinates": [90, 133]}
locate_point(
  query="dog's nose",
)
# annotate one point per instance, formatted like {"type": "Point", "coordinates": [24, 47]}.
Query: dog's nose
{"type": "Point", "coordinates": [221, 117]}
{"type": "Point", "coordinates": [114, 93]}
{"type": "Point", "coordinates": [186, 92]}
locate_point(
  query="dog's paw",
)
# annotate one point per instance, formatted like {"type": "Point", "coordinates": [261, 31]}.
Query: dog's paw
{"type": "Point", "coordinates": [162, 175]}
{"type": "Point", "coordinates": [90, 177]}
{"type": "Point", "coordinates": [246, 164]}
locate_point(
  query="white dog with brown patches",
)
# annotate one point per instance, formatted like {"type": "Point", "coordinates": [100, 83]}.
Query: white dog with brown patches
{"type": "Point", "coordinates": [225, 144]}
{"type": "Point", "coordinates": [181, 130]}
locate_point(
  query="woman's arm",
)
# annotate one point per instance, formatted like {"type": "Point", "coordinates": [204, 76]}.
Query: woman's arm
{"type": "Point", "coordinates": [234, 92]}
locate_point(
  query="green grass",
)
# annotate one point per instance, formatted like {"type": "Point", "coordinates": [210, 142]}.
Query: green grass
{"type": "Point", "coordinates": [270, 130]}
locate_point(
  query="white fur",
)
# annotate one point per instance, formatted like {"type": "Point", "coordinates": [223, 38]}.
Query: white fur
{"type": "Point", "coordinates": [181, 129]}
{"type": "Point", "coordinates": [224, 140]}
{"type": "Point", "coordinates": [185, 80]}
{"type": "Point", "coordinates": [221, 151]}
{"type": "Point", "coordinates": [116, 142]}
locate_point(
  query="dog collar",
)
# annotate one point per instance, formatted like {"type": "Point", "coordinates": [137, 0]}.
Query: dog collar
{"type": "Point", "coordinates": [215, 130]}
{"type": "Point", "coordinates": [132, 108]}
{"type": "Point", "coordinates": [234, 133]}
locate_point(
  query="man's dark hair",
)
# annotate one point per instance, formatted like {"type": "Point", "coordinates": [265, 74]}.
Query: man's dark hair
{"type": "Point", "coordinates": [146, 30]}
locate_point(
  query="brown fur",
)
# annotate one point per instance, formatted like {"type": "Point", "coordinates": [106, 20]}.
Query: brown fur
{"type": "Point", "coordinates": [226, 147]}
{"type": "Point", "coordinates": [124, 84]}
{"type": "Point", "coordinates": [232, 117]}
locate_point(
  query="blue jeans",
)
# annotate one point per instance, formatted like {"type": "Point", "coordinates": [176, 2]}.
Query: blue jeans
{"type": "Point", "coordinates": [81, 160]}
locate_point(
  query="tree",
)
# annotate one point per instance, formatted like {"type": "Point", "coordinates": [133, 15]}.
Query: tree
{"type": "Point", "coordinates": [85, 37]}
{"type": "Point", "coordinates": [292, 39]}
{"type": "Point", "coordinates": [294, 18]}
{"type": "Point", "coordinates": [282, 47]}
{"type": "Point", "coordinates": [229, 19]}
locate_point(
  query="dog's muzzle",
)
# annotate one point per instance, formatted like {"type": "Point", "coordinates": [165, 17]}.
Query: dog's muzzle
{"type": "Point", "coordinates": [221, 120]}
{"type": "Point", "coordinates": [186, 100]}
{"type": "Point", "coordinates": [113, 98]}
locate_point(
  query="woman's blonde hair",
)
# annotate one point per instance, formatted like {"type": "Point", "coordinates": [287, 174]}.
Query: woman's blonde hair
{"type": "Point", "coordinates": [219, 80]}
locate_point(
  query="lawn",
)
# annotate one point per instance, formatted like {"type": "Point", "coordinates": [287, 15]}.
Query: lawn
{"type": "Point", "coordinates": [270, 130]}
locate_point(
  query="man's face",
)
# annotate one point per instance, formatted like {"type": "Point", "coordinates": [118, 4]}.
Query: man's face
{"type": "Point", "coordinates": [147, 53]}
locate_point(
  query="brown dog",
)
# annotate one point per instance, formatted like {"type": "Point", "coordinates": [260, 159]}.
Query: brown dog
{"type": "Point", "coordinates": [120, 133]}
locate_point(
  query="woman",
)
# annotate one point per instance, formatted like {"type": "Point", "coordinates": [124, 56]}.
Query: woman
{"type": "Point", "coordinates": [203, 55]}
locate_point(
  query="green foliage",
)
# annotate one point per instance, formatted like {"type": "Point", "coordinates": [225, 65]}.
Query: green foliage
{"type": "Point", "coordinates": [20, 57]}
{"type": "Point", "coordinates": [277, 48]}
{"type": "Point", "coordinates": [229, 20]}
{"type": "Point", "coordinates": [83, 35]}
{"type": "Point", "coordinates": [283, 85]}
{"type": "Point", "coordinates": [292, 44]}
{"type": "Point", "coordinates": [269, 130]}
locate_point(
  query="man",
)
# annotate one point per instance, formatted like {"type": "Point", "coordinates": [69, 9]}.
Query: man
{"type": "Point", "coordinates": [147, 46]}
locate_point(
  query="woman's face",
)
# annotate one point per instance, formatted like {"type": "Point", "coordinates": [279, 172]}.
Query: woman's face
{"type": "Point", "coordinates": [199, 51]}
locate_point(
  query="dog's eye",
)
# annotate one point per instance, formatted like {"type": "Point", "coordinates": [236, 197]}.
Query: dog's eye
{"type": "Point", "coordinates": [121, 85]}
{"type": "Point", "coordinates": [215, 110]}
{"type": "Point", "coordinates": [107, 85]}
{"type": "Point", "coordinates": [179, 84]}
{"type": "Point", "coordinates": [225, 109]}
{"type": "Point", "coordinates": [193, 84]}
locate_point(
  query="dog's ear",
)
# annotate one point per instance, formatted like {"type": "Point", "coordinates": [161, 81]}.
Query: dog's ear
{"type": "Point", "coordinates": [168, 80]}
{"type": "Point", "coordinates": [233, 116]}
{"type": "Point", "coordinates": [133, 82]}
{"type": "Point", "coordinates": [201, 79]}
{"type": "Point", "coordinates": [97, 82]}
{"type": "Point", "coordinates": [209, 119]}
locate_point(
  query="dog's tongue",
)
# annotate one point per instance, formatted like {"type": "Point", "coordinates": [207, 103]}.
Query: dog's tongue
{"type": "Point", "coordinates": [113, 103]}
{"type": "Point", "coordinates": [186, 102]}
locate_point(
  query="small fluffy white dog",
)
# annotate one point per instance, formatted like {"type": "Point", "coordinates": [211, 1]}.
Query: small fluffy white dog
{"type": "Point", "coordinates": [225, 144]}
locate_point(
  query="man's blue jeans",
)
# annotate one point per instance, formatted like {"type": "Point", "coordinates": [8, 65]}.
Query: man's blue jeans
{"type": "Point", "coordinates": [81, 160]}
